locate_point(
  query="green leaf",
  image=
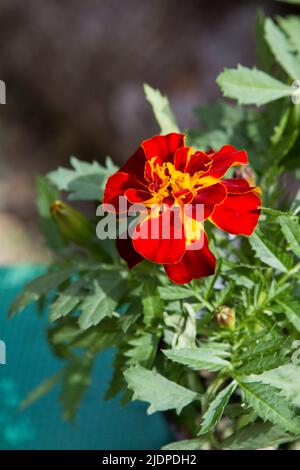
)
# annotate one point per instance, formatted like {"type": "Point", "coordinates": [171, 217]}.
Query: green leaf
{"type": "Point", "coordinates": [161, 109]}
{"type": "Point", "coordinates": [286, 378]}
{"type": "Point", "coordinates": [215, 410]}
{"type": "Point", "coordinates": [199, 358]}
{"type": "Point", "coordinates": [161, 393]}
{"type": "Point", "coordinates": [292, 312]}
{"type": "Point", "coordinates": [142, 349]}
{"type": "Point", "coordinates": [46, 195]}
{"type": "Point", "coordinates": [101, 302]}
{"type": "Point", "coordinates": [251, 86]}
{"type": "Point", "coordinates": [291, 230]}
{"type": "Point", "coordinates": [281, 49]}
{"type": "Point", "coordinates": [66, 301]}
{"type": "Point", "coordinates": [39, 287]}
{"type": "Point", "coordinates": [152, 305]}
{"type": "Point", "coordinates": [85, 182]}
{"type": "Point", "coordinates": [76, 380]}
{"type": "Point", "coordinates": [256, 436]}
{"type": "Point", "coordinates": [189, 444]}
{"type": "Point", "coordinates": [269, 404]}
{"type": "Point", "coordinates": [291, 26]}
{"type": "Point", "coordinates": [269, 253]}
{"type": "Point", "coordinates": [41, 390]}
{"type": "Point", "coordinates": [174, 293]}
{"type": "Point", "coordinates": [262, 49]}
{"type": "Point", "coordinates": [297, 2]}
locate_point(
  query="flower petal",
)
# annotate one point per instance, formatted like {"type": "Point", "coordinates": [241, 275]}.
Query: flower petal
{"type": "Point", "coordinates": [137, 196]}
{"type": "Point", "coordinates": [237, 186]}
{"type": "Point", "coordinates": [209, 197]}
{"type": "Point", "coordinates": [199, 161]}
{"type": "Point", "coordinates": [238, 214]}
{"type": "Point", "coordinates": [127, 252]}
{"type": "Point", "coordinates": [163, 146]}
{"type": "Point", "coordinates": [193, 265]}
{"type": "Point", "coordinates": [135, 165]}
{"type": "Point", "coordinates": [181, 158]}
{"type": "Point", "coordinates": [160, 238]}
{"type": "Point", "coordinates": [225, 158]}
{"type": "Point", "coordinates": [116, 186]}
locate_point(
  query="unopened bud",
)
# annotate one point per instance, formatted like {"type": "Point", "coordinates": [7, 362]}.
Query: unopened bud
{"type": "Point", "coordinates": [225, 316]}
{"type": "Point", "coordinates": [72, 223]}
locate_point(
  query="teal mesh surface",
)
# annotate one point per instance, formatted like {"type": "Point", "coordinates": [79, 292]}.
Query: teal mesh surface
{"type": "Point", "coordinates": [99, 425]}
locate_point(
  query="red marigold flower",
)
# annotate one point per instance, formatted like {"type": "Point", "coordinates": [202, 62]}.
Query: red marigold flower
{"type": "Point", "coordinates": [165, 173]}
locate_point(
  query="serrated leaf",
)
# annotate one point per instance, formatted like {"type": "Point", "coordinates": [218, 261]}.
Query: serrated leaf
{"type": "Point", "coordinates": [76, 380]}
{"type": "Point", "coordinates": [269, 253]}
{"type": "Point", "coordinates": [39, 287]}
{"type": "Point", "coordinates": [102, 300]}
{"type": "Point", "coordinates": [292, 312]}
{"type": "Point", "coordinates": [161, 109]}
{"type": "Point", "coordinates": [174, 293]}
{"type": "Point", "coordinates": [291, 230]}
{"type": "Point", "coordinates": [41, 390]}
{"type": "Point", "coordinates": [188, 444]}
{"type": "Point", "coordinates": [85, 181]}
{"type": "Point", "coordinates": [262, 363]}
{"type": "Point", "coordinates": [286, 378]}
{"type": "Point", "coordinates": [215, 409]}
{"type": "Point", "coordinates": [256, 436]}
{"type": "Point", "coordinates": [251, 86]}
{"type": "Point", "coordinates": [161, 393]}
{"type": "Point", "coordinates": [142, 349]}
{"type": "Point", "coordinates": [198, 358]}
{"type": "Point", "coordinates": [269, 404]}
{"type": "Point", "coordinates": [291, 26]}
{"type": "Point", "coordinates": [66, 301]}
{"type": "Point", "coordinates": [281, 49]}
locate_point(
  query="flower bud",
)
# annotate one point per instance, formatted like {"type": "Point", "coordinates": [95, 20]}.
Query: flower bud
{"type": "Point", "coordinates": [72, 223]}
{"type": "Point", "coordinates": [225, 317]}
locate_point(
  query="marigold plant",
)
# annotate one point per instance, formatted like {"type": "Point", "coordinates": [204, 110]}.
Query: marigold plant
{"type": "Point", "coordinates": [205, 323]}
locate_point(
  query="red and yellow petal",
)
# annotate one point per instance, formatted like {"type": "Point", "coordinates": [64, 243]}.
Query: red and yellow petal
{"type": "Point", "coordinates": [160, 238]}
{"type": "Point", "coordinates": [208, 197]}
{"type": "Point", "coordinates": [237, 186]}
{"type": "Point", "coordinates": [224, 159]}
{"type": "Point", "coordinates": [238, 214]}
{"type": "Point", "coordinates": [116, 187]}
{"type": "Point", "coordinates": [163, 146]}
{"type": "Point", "coordinates": [193, 265]}
{"type": "Point", "coordinates": [137, 196]}
{"type": "Point", "coordinates": [199, 161]}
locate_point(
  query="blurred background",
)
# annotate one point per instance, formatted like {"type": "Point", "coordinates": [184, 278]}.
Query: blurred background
{"type": "Point", "coordinates": [74, 72]}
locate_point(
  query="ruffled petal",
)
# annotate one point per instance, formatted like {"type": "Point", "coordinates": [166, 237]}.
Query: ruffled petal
{"type": "Point", "coordinates": [225, 158]}
{"type": "Point", "coordinates": [127, 252]}
{"type": "Point", "coordinates": [208, 197]}
{"type": "Point", "coordinates": [160, 238]}
{"type": "Point", "coordinates": [137, 196]}
{"type": "Point", "coordinates": [237, 186]}
{"type": "Point", "coordinates": [193, 265]}
{"type": "Point", "coordinates": [238, 214]}
{"type": "Point", "coordinates": [199, 161]}
{"type": "Point", "coordinates": [181, 158]}
{"type": "Point", "coordinates": [163, 146]}
{"type": "Point", "coordinates": [116, 186]}
{"type": "Point", "coordinates": [135, 165]}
